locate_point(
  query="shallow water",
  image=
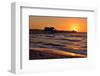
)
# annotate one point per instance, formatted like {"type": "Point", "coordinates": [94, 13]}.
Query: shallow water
{"type": "Point", "coordinates": [69, 42]}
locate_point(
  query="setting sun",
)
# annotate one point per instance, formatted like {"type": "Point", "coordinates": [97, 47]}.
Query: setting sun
{"type": "Point", "coordinates": [75, 27]}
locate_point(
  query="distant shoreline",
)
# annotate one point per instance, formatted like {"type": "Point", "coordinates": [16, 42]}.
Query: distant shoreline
{"type": "Point", "coordinates": [55, 31]}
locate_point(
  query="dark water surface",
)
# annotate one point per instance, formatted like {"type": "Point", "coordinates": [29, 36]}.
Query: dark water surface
{"type": "Point", "coordinates": [74, 42]}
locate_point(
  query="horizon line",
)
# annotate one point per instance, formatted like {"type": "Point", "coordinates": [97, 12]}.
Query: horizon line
{"type": "Point", "coordinates": [61, 30]}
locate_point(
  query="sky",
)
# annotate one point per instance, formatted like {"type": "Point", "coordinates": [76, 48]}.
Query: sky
{"type": "Point", "coordinates": [78, 24]}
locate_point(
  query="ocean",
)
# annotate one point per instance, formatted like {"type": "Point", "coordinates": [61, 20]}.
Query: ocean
{"type": "Point", "coordinates": [73, 42]}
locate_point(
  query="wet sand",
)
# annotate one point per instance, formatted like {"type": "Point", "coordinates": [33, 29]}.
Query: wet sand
{"type": "Point", "coordinates": [45, 53]}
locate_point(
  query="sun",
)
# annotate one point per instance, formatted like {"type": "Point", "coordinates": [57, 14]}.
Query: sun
{"type": "Point", "coordinates": [75, 28]}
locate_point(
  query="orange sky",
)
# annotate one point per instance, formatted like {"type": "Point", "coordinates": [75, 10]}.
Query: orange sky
{"type": "Point", "coordinates": [59, 23]}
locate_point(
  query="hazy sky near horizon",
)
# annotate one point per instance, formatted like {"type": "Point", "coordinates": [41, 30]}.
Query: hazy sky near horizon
{"type": "Point", "coordinates": [59, 23]}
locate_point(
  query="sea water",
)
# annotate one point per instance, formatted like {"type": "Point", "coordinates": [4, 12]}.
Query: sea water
{"type": "Point", "coordinates": [75, 42]}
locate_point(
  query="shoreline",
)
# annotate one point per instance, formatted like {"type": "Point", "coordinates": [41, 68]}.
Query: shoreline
{"type": "Point", "coordinates": [44, 53]}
